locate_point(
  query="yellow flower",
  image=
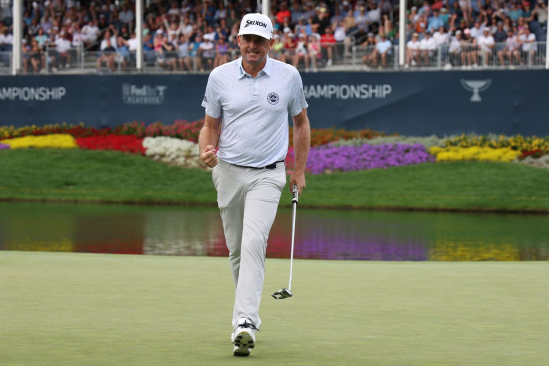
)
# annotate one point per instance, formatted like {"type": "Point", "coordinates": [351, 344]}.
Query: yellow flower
{"type": "Point", "coordinates": [58, 141]}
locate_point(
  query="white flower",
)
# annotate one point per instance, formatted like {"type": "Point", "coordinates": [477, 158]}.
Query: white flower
{"type": "Point", "coordinates": [172, 151]}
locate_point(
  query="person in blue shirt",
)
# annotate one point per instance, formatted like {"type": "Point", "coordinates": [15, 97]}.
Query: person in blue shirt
{"type": "Point", "coordinates": [148, 49]}
{"type": "Point", "coordinates": [435, 22]}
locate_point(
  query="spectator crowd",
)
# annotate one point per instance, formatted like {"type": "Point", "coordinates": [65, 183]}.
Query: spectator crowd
{"type": "Point", "coordinates": [201, 35]}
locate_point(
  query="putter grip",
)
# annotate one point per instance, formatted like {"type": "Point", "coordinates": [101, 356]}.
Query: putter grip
{"type": "Point", "coordinates": [295, 195]}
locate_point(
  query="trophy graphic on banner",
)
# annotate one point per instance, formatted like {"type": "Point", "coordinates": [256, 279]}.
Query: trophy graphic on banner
{"type": "Point", "coordinates": [476, 86]}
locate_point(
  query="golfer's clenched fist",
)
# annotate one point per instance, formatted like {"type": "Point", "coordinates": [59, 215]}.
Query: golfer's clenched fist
{"type": "Point", "coordinates": [208, 156]}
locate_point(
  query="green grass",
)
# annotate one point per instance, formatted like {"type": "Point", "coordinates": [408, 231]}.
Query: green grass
{"type": "Point", "coordinates": [104, 176]}
{"type": "Point", "coordinates": [87, 309]}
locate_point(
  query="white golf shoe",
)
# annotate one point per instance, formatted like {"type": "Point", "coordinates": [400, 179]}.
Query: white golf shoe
{"type": "Point", "coordinates": [243, 337]}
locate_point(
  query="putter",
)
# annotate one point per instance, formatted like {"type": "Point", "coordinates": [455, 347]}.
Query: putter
{"type": "Point", "coordinates": [286, 292]}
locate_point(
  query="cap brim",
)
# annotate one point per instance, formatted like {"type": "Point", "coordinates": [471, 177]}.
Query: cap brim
{"type": "Point", "coordinates": [250, 32]}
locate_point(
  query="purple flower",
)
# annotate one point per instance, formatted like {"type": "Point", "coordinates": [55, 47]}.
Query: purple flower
{"type": "Point", "coordinates": [350, 158]}
{"type": "Point", "coordinates": [4, 146]}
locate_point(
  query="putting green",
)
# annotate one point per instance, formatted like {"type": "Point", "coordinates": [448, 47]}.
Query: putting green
{"type": "Point", "coordinates": [87, 309]}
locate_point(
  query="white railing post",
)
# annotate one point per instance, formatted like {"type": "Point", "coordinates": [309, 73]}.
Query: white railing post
{"type": "Point", "coordinates": [354, 55]}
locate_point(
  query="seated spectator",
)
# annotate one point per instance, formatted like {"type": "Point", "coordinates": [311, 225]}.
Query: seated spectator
{"type": "Point", "coordinates": [441, 37]}
{"type": "Point", "coordinates": [527, 42]}
{"type": "Point", "coordinates": [369, 45]}
{"type": "Point", "coordinates": [26, 54]}
{"type": "Point", "coordinates": [315, 51]}
{"type": "Point", "coordinates": [328, 43]}
{"type": "Point", "coordinates": [511, 44]}
{"type": "Point", "coordinates": [124, 55]}
{"type": "Point", "coordinates": [289, 46]}
{"type": "Point", "coordinates": [374, 13]}
{"type": "Point", "coordinates": [455, 48]}
{"type": "Point", "coordinates": [107, 54]}
{"type": "Point", "coordinates": [485, 43]}
{"type": "Point", "coordinates": [38, 60]}
{"type": "Point", "coordinates": [500, 35]}
{"type": "Point", "coordinates": [383, 48]}
{"type": "Point", "coordinates": [412, 51]}
{"type": "Point", "coordinates": [468, 50]}
{"type": "Point", "coordinates": [207, 51]}
{"type": "Point", "coordinates": [435, 22]}
{"type": "Point", "coordinates": [91, 33]}
{"type": "Point", "coordinates": [427, 47]}
{"type": "Point", "coordinates": [194, 53]}
{"type": "Point", "coordinates": [183, 54]}
{"type": "Point", "coordinates": [221, 52]}
{"type": "Point", "coordinates": [6, 41]}
{"type": "Point", "coordinates": [63, 47]}
{"type": "Point", "coordinates": [78, 38]}
{"type": "Point", "coordinates": [301, 52]}
{"type": "Point", "coordinates": [126, 15]}
{"type": "Point", "coordinates": [166, 55]}
{"type": "Point", "coordinates": [277, 51]}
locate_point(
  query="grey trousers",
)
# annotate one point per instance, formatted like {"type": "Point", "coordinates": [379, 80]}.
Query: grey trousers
{"type": "Point", "coordinates": [248, 200]}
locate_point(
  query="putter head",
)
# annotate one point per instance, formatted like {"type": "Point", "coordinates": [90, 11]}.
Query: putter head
{"type": "Point", "coordinates": [282, 294]}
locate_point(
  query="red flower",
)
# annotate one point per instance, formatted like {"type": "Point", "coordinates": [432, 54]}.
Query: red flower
{"type": "Point", "coordinates": [125, 143]}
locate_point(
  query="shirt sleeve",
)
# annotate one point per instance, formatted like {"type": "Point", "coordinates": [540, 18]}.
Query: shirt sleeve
{"type": "Point", "coordinates": [297, 101]}
{"type": "Point", "coordinates": [211, 98]}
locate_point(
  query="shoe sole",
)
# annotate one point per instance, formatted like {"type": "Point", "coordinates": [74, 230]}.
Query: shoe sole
{"type": "Point", "coordinates": [244, 342]}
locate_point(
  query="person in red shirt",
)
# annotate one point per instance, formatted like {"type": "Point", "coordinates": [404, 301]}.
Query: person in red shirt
{"type": "Point", "coordinates": [328, 43]}
{"type": "Point", "coordinates": [283, 13]}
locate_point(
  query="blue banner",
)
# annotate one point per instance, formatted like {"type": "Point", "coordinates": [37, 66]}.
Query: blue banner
{"type": "Point", "coordinates": [410, 103]}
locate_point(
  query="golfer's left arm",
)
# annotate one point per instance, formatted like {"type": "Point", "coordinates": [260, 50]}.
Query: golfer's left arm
{"type": "Point", "coordinates": [302, 141]}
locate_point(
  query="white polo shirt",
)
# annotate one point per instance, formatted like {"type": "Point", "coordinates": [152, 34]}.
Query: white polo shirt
{"type": "Point", "coordinates": [254, 112]}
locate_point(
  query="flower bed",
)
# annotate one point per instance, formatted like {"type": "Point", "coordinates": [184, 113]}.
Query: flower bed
{"type": "Point", "coordinates": [323, 136]}
{"type": "Point", "coordinates": [172, 151]}
{"type": "Point", "coordinates": [518, 142]}
{"type": "Point", "coordinates": [59, 141]}
{"type": "Point", "coordinates": [180, 129]}
{"type": "Point", "coordinates": [541, 162]}
{"type": "Point", "coordinates": [349, 158]}
{"type": "Point", "coordinates": [454, 153]}
{"type": "Point", "coordinates": [428, 141]}
{"type": "Point", "coordinates": [80, 130]}
{"type": "Point", "coordinates": [131, 144]}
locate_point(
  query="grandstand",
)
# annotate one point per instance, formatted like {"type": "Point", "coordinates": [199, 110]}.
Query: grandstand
{"type": "Point", "coordinates": [77, 37]}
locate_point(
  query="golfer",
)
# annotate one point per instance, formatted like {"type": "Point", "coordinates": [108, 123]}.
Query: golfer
{"type": "Point", "coordinates": [249, 100]}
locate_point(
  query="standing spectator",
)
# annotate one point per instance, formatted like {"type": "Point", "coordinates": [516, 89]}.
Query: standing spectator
{"type": "Point", "coordinates": [277, 51]}
{"type": "Point", "coordinates": [362, 18]}
{"type": "Point", "coordinates": [511, 44]}
{"type": "Point", "coordinates": [541, 12]}
{"type": "Point", "coordinates": [33, 28]}
{"type": "Point", "coordinates": [166, 56]}
{"type": "Point", "coordinates": [486, 46]}
{"type": "Point", "coordinates": [427, 47]}
{"type": "Point", "coordinates": [328, 43]}
{"type": "Point", "coordinates": [515, 12]}
{"type": "Point", "coordinates": [124, 55]}
{"type": "Point", "coordinates": [374, 14]}
{"type": "Point", "coordinates": [477, 30]}
{"type": "Point", "coordinates": [78, 38]}
{"type": "Point", "coordinates": [41, 38]}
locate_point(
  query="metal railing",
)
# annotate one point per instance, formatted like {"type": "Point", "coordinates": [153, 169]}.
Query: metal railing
{"type": "Point", "coordinates": [337, 57]}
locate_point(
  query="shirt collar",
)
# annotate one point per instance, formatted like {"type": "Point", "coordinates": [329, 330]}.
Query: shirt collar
{"type": "Point", "coordinates": [267, 69]}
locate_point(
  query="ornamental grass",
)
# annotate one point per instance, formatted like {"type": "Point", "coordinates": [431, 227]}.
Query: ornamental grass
{"type": "Point", "coordinates": [59, 141]}
{"type": "Point", "coordinates": [474, 153]}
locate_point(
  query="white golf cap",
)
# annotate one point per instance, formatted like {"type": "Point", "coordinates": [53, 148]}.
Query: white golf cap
{"type": "Point", "coordinates": [257, 24]}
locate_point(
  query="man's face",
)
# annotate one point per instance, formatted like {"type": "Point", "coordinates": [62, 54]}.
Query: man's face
{"type": "Point", "coordinates": [254, 48]}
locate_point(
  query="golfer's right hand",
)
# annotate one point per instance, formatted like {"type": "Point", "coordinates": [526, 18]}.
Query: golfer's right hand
{"type": "Point", "coordinates": [208, 156]}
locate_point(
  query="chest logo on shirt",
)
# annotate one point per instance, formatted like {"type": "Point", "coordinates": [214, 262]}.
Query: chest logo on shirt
{"type": "Point", "coordinates": [273, 98]}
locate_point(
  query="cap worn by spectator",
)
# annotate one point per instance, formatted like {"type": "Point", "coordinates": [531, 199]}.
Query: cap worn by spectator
{"type": "Point", "coordinates": [415, 35]}
{"type": "Point", "coordinates": [467, 31]}
{"type": "Point", "coordinates": [287, 30]}
{"type": "Point", "coordinates": [291, 35]}
{"type": "Point", "coordinates": [370, 34]}
{"type": "Point", "coordinates": [422, 25]}
{"type": "Point", "coordinates": [458, 32]}
{"type": "Point", "coordinates": [526, 3]}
